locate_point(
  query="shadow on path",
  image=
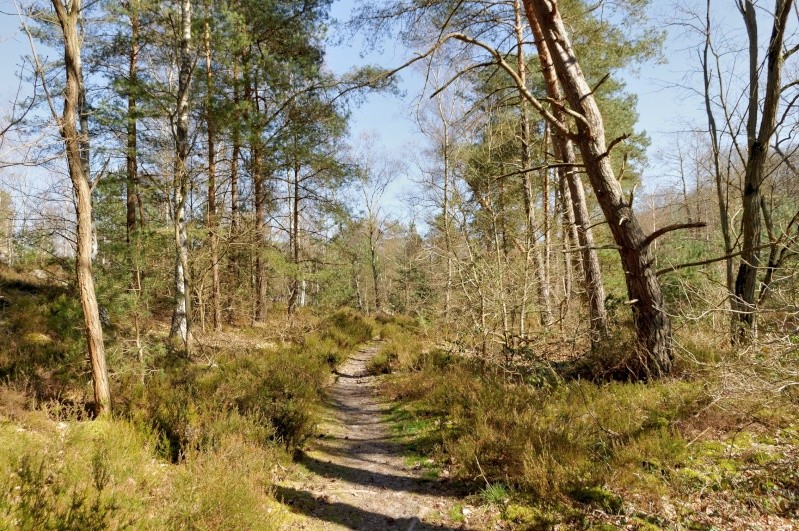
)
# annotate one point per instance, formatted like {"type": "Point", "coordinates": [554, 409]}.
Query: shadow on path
{"type": "Point", "coordinates": [355, 476]}
{"type": "Point", "coordinates": [349, 516]}
{"type": "Point", "coordinates": [382, 480]}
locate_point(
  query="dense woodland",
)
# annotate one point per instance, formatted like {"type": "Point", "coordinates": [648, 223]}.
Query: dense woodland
{"type": "Point", "coordinates": [193, 244]}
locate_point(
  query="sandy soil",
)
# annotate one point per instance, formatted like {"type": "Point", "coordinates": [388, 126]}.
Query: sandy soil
{"type": "Point", "coordinates": [354, 476]}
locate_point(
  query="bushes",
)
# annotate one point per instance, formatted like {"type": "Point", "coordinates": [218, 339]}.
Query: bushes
{"type": "Point", "coordinates": [226, 488]}
{"type": "Point", "coordinates": [262, 395]}
{"type": "Point", "coordinates": [338, 335]}
{"type": "Point", "coordinates": [195, 442]}
{"type": "Point", "coordinates": [548, 441]}
{"type": "Point", "coordinates": [103, 475]}
{"type": "Point", "coordinates": [402, 347]}
{"type": "Point", "coordinates": [74, 475]}
{"type": "Point", "coordinates": [38, 498]}
{"type": "Point", "coordinates": [569, 450]}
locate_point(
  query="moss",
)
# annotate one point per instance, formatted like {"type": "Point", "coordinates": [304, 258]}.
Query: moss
{"type": "Point", "coordinates": [456, 513]}
{"type": "Point", "coordinates": [529, 517]}
{"type": "Point", "coordinates": [599, 497]}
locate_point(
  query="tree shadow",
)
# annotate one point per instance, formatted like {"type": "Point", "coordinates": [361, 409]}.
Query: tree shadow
{"type": "Point", "coordinates": [370, 478]}
{"type": "Point", "coordinates": [349, 516]}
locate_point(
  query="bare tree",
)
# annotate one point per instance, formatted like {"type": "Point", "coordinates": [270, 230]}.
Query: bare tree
{"type": "Point", "coordinates": [760, 119]}
{"type": "Point", "coordinates": [373, 179]}
{"type": "Point", "coordinates": [758, 136]}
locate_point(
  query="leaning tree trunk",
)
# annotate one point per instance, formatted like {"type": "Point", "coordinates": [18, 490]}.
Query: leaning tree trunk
{"type": "Point", "coordinates": [181, 316]}
{"type": "Point", "coordinates": [564, 152]}
{"type": "Point", "coordinates": [652, 324]}
{"type": "Point", "coordinates": [533, 252]}
{"type": "Point", "coordinates": [76, 146]}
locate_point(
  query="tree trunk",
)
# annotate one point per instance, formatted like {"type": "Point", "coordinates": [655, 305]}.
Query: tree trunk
{"type": "Point", "coordinates": [652, 324]}
{"type": "Point", "coordinates": [445, 212]}
{"type": "Point", "coordinates": [213, 225]}
{"type": "Point", "coordinates": [235, 155]}
{"type": "Point", "coordinates": [259, 186]}
{"type": "Point", "coordinates": [533, 251]}
{"type": "Point", "coordinates": [722, 184]}
{"type": "Point", "coordinates": [295, 236]}
{"type": "Point", "coordinates": [181, 316]}
{"type": "Point", "coordinates": [130, 154]}
{"type": "Point", "coordinates": [564, 152]}
{"type": "Point", "coordinates": [373, 262]}
{"type": "Point", "coordinates": [745, 303]}
{"type": "Point", "coordinates": [234, 257]}
{"type": "Point", "coordinates": [76, 147]}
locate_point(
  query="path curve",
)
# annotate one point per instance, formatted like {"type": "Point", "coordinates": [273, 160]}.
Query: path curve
{"type": "Point", "coordinates": [354, 475]}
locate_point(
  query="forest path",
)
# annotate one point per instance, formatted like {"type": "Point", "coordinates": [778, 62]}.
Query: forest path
{"type": "Point", "coordinates": [354, 476]}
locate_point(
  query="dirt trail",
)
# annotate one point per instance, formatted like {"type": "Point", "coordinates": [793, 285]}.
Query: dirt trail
{"type": "Point", "coordinates": [354, 477]}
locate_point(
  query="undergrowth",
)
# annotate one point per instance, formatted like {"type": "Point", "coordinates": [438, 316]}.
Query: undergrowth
{"type": "Point", "coordinates": [633, 452]}
{"type": "Point", "coordinates": [195, 443]}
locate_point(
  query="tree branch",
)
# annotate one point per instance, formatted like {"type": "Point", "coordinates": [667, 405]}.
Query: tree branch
{"type": "Point", "coordinates": [708, 261]}
{"type": "Point", "coordinates": [670, 228]}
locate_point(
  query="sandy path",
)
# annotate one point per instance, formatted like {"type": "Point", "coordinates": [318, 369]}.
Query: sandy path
{"type": "Point", "coordinates": [355, 476]}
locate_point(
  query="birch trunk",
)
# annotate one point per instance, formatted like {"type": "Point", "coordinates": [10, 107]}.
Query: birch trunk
{"type": "Point", "coordinates": [181, 316]}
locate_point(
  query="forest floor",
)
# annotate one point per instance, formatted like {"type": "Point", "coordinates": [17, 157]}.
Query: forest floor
{"type": "Point", "coordinates": [355, 474]}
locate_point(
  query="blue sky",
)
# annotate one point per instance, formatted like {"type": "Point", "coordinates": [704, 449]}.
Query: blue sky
{"type": "Point", "coordinates": [663, 107]}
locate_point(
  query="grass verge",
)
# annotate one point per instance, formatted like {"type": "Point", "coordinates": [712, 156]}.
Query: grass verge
{"type": "Point", "coordinates": [699, 450]}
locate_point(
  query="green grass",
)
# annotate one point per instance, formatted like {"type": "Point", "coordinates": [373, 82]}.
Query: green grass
{"type": "Point", "coordinates": [495, 494]}
{"type": "Point", "coordinates": [560, 452]}
{"type": "Point", "coordinates": [456, 513]}
{"type": "Point", "coordinates": [194, 443]}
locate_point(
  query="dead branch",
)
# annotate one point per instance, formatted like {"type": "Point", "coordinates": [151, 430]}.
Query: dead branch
{"type": "Point", "coordinates": [708, 261]}
{"type": "Point", "coordinates": [671, 228]}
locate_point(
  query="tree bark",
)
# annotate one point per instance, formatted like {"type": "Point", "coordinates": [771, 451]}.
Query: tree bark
{"type": "Point", "coordinates": [130, 154]}
{"type": "Point", "coordinates": [533, 251]}
{"type": "Point", "coordinates": [564, 152]}
{"type": "Point", "coordinates": [445, 211]}
{"type": "Point", "coordinates": [652, 324]}
{"type": "Point", "coordinates": [745, 303]}
{"type": "Point", "coordinates": [720, 181]}
{"type": "Point", "coordinates": [295, 235]}
{"type": "Point", "coordinates": [235, 257]}
{"type": "Point", "coordinates": [235, 155]}
{"type": "Point", "coordinates": [76, 147]}
{"type": "Point", "coordinates": [259, 186]}
{"type": "Point", "coordinates": [181, 316]}
{"type": "Point", "coordinates": [213, 224]}
{"type": "Point", "coordinates": [374, 237]}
